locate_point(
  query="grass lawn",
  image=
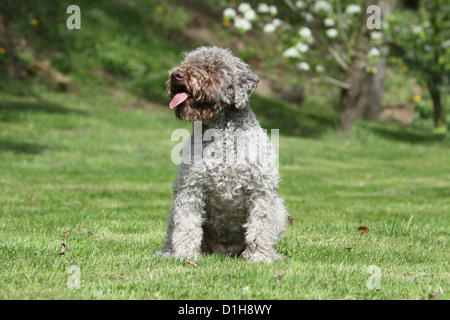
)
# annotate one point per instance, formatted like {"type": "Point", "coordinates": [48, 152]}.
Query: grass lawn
{"type": "Point", "coordinates": [98, 166]}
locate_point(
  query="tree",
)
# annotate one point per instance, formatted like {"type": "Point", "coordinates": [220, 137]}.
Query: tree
{"type": "Point", "coordinates": [335, 44]}
{"type": "Point", "coordinates": [422, 41]}
{"type": "Point", "coordinates": [9, 62]}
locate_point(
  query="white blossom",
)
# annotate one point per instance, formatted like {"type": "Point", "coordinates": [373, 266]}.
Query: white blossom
{"type": "Point", "coordinates": [269, 28]}
{"type": "Point", "coordinates": [242, 24]}
{"type": "Point", "coordinates": [244, 7]}
{"type": "Point", "coordinates": [250, 15]}
{"type": "Point", "coordinates": [263, 8]}
{"type": "Point", "coordinates": [303, 66]}
{"type": "Point", "coordinates": [329, 22]}
{"type": "Point", "coordinates": [323, 6]}
{"type": "Point", "coordinates": [374, 52]}
{"type": "Point", "coordinates": [305, 32]}
{"type": "Point", "coordinates": [273, 10]}
{"type": "Point", "coordinates": [301, 4]}
{"type": "Point", "coordinates": [277, 22]}
{"type": "Point", "coordinates": [320, 68]}
{"type": "Point", "coordinates": [302, 47]}
{"type": "Point", "coordinates": [291, 53]}
{"type": "Point", "coordinates": [331, 33]}
{"type": "Point", "coordinates": [446, 44]}
{"type": "Point", "coordinates": [417, 29]}
{"type": "Point", "coordinates": [229, 13]}
{"type": "Point", "coordinates": [307, 16]}
{"type": "Point", "coordinates": [375, 35]}
{"type": "Point", "coordinates": [353, 8]}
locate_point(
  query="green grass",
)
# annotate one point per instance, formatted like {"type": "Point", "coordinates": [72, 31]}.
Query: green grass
{"type": "Point", "coordinates": [97, 164]}
{"type": "Point", "coordinates": [90, 163]}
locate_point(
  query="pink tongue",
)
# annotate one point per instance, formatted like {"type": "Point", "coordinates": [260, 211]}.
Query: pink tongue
{"type": "Point", "coordinates": [178, 99]}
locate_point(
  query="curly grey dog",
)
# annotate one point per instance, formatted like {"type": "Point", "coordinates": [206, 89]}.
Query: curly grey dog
{"type": "Point", "coordinates": [228, 202]}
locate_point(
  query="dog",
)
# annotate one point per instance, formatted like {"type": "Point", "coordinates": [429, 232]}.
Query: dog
{"type": "Point", "coordinates": [227, 203]}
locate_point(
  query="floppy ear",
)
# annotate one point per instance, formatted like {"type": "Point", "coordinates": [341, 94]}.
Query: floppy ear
{"type": "Point", "coordinates": [245, 82]}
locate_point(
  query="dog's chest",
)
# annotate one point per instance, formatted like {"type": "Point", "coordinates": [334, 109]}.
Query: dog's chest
{"type": "Point", "coordinates": [227, 183]}
{"type": "Point", "coordinates": [232, 162]}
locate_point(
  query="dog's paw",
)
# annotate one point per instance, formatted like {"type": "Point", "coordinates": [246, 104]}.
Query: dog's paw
{"type": "Point", "coordinates": [266, 257]}
{"type": "Point", "coordinates": [278, 257]}
{"type": "Point", "coordinates": [194, 256]}
{"type": "Point", "coordinates": [164, 254]}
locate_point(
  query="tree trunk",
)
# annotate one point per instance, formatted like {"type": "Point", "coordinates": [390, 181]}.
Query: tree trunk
{"type": "Point", "coordinates": [439, 112]}
{"type": "Point", "coordinates": [364, 98]}
{"type": "Point", "coordinates": [435, 79]}
{"type": "Point", "coordinates": [372, 87]}
{"type": "Point", "coordinates": [11, 66]}
{"type": "Point", "coordinates": [370, 101]}
{"type": "Point", "coordinates": [356, 76]}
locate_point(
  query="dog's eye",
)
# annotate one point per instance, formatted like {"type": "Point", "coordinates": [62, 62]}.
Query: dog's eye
{"type": "Point", "coordinates": [209, 71]}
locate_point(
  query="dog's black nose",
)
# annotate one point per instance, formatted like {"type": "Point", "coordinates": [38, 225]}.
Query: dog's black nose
{"type": "Point", "coordinates": [177, 75]}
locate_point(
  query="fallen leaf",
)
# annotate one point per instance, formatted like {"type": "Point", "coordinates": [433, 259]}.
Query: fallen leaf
{"type": "Point", "coordinates": [63, 249]}
{"type": "Point", "coordinates": [90, 234]}
{"type": "Point", "coordinates": [66, 234]}
{"type": "Point", "coordinates": [290, 220]}
{"type": "Point", "coordinates": [351, 247]}
{"type": "Point", "coordinates": [363, 230]}
{"type": "Point", "coordinates": [192, 263]}
{"type": "Point", "coordinates": [434, 294]}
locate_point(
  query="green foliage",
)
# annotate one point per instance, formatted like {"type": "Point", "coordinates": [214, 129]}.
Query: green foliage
{"type": "Point", "coordinates": [421, 41]}
{"type": "Point", "coordinates": [424, 108]}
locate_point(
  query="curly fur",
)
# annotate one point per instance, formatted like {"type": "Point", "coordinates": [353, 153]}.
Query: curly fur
{"type": "Point", "coordinates": [223, 205]}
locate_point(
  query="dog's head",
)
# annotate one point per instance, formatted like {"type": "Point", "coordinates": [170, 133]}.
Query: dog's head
{"type": "Point", "coordinates": [208, 80]}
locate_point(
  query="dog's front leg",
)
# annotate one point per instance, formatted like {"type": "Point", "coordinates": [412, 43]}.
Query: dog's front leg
{"type": "Point", "coordinates": [186, 218]}
{"type": "Point", "coordinates": [262, 228]}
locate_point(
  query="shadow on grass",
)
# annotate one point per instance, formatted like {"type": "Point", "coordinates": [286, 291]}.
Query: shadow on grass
{"type": "Point", "coordinates": [305, 120]}
{"type": "Point", "coordinates": [21, 147]}
{"type": "Point", "coordinates": [9, 109]}
{"type": "Point", "coordinates": [396, 132]}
